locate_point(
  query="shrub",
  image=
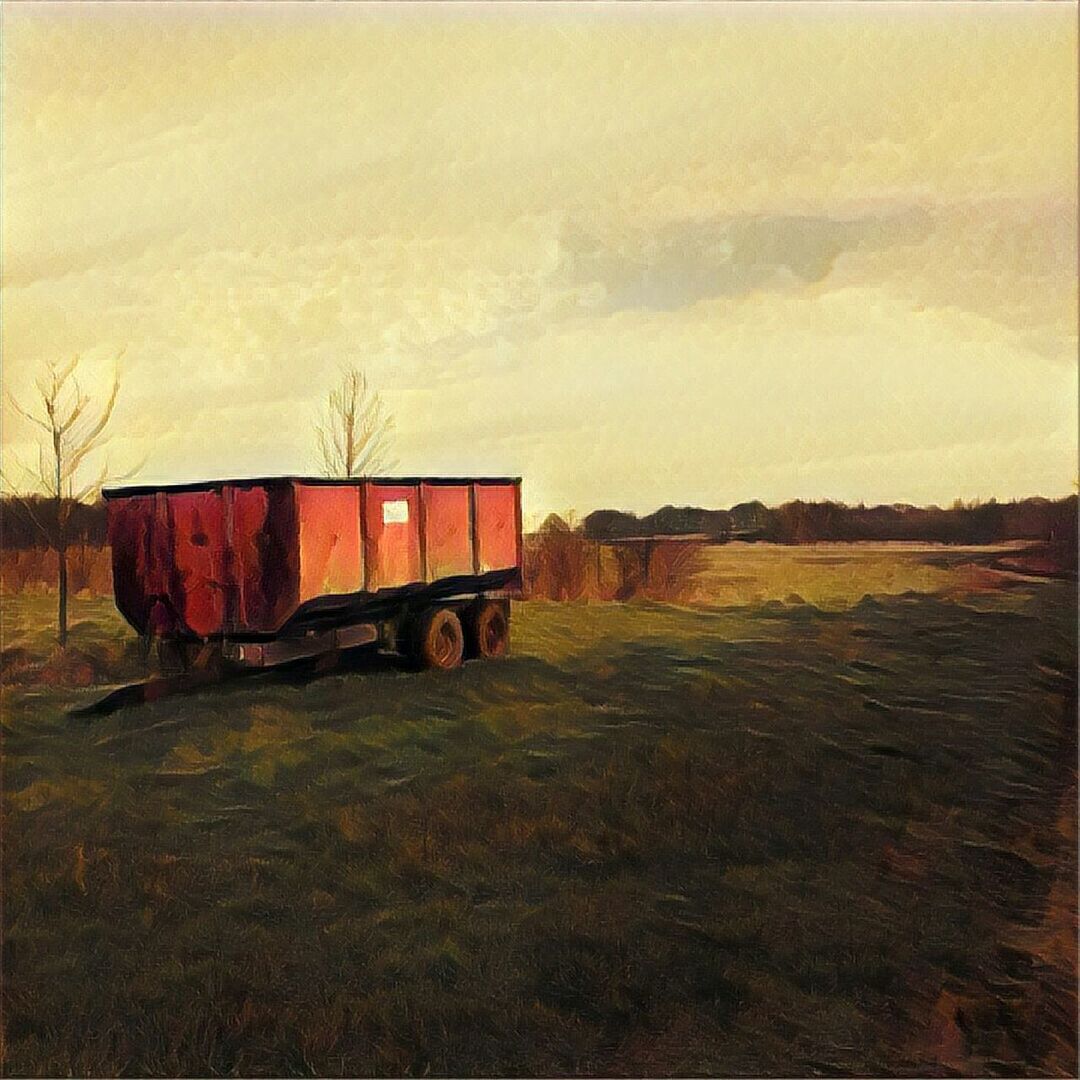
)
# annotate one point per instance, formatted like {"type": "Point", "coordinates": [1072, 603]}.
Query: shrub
{"type": "Point", "coordinates": [564, 565]}
{"type": "Point", "coordinates": [34, 569]}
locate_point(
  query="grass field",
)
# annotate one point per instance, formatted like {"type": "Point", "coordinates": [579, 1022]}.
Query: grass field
{"type": "Point", "coordinates": [825, 825]}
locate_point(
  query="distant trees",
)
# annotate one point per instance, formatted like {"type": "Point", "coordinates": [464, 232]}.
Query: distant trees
{"type": "Point", "coordinates": [354, 431]}
{"type": "Point", "coordinates": [749, 520]}
{"type": "Point", "coordinates": [667, 521]}
{"type": "Point", "coordinates": [71, 427]}
{"type": "Point", "coordinates": [801, 522]}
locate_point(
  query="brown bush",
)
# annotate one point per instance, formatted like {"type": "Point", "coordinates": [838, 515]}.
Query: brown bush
{"type": "Point", "coordinates": [564, 565]}
{"type": "Point", "coordinates": [35, 569]}
{"type": "Point", "coordinates": [90, 569]}
{"type": "Point", "coordinates": [557, 565]}
{"type": "Point", "coordinates": [671, 568]}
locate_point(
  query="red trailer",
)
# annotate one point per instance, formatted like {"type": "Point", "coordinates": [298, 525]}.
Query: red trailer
{"type": "Point", "coordinates": [262, 571]}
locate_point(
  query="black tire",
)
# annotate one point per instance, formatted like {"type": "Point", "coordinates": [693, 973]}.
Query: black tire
{"type": "Point", "coordinates": [489, 630]}
{"type": "Point", "coordinates": [438, 641]}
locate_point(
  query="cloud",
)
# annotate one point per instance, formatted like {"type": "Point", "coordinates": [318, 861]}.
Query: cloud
{"type": "Point", "coordinates": [682, 262]}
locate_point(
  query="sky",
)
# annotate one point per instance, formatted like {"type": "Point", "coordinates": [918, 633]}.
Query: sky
{"type": "Point", "coordinates": [685, 254]}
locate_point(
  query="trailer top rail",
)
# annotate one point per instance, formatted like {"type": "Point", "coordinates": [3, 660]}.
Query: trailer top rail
{"type": "Point", "coordinates": [264, 481]}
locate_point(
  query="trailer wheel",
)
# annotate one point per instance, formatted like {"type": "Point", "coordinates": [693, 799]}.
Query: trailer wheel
{"type": "Point", "coordinates": [440, 640]}
{"type": "Point", "coordinates": [489, 630]}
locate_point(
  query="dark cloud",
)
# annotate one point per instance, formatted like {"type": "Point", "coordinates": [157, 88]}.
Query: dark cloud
{"type": "Point", "coordinates": [682, 263]}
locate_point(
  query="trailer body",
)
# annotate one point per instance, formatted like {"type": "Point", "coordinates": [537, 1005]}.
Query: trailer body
{"type": "Point", "coordinates": [254, 560]}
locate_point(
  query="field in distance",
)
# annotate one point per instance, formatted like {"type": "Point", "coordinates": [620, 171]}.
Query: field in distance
{"type": "Point", "coordinates": [822, 823]}
{"type": "Point", "coordinates": [837, 575]}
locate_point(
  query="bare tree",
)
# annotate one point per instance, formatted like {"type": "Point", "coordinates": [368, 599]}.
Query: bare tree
{"type": "Point", "coordinates": [73, 428]}
{"type": "Point", "coordinates": [354, 432]}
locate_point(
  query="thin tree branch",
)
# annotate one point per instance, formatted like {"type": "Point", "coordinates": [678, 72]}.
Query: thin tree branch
{"type": "Point", "coordinates": [353, 431]}
{"type": "Point", "coordinates": [87, 442]}
{"type": "Point", "coordinates": [24, 414]}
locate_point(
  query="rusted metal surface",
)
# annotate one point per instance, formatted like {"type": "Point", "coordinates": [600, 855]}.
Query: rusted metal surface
{"type": "Point", "coordinates": [240, 557]}
{"type": "Point", "coordinates": [265, 556]}
{"type": "Point", "coordinates": [498, 526]}
{"type": "Point", "coordinates": [446, 530]}
{"type": "Point", "coordinates": [257, 654]}
{"type": "Point", "coordinates": [199, 553]}
{"type": "Point", "coordinates": [391, 535]}
{"type": "Point", "coordinates": [330, 540]}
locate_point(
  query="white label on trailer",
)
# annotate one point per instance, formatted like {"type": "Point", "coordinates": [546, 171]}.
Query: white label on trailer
{"type": "Point", "coordinates": [395, 512]}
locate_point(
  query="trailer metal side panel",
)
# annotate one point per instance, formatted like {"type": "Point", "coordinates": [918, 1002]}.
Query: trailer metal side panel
{"type": "Point", "coordinates": [247, 519]}
{"type": "Point", "coordinates": [141, 556]}
{"type": "Point", "coordinates": [447, 543]}
{"type": "Point", "coordinates": [330, 543]}
{"type": "Point", "coordinates": [200, 549]}
{"type": "Point", "coordinates": [265, 555]}
{"type": "Point", "coordinates": [497, 526]}
{"type": "Point", "coordinates": [391, 535]}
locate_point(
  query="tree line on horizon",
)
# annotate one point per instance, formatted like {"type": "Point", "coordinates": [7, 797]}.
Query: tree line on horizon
{"type": "Point", "coordinates": [800, 522]}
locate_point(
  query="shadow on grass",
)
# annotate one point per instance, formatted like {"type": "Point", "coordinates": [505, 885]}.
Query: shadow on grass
{"type": "Point", "coordinates": [362, 662]}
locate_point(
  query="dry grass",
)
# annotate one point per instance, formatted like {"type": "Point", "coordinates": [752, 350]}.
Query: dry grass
{"type": "Point", "coordinates": [566, 566]}
{"type": "Point", "coordinates": [102, 649]}
{"type": "Point", "coordinates": [772, 838]}
{"type": "Point", "coordinates": [839, 575]}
